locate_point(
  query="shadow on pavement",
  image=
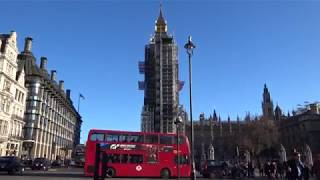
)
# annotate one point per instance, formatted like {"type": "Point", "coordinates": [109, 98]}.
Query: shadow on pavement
{"type": "Point", "coordinates": [55, 175]}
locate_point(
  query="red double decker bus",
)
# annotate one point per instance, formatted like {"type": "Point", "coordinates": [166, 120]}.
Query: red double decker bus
{"type": "Point", "coordinates": [138, 154]}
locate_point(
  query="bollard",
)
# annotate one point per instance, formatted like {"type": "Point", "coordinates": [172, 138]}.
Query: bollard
{"type": "Point", "coordinates": [97, 163]}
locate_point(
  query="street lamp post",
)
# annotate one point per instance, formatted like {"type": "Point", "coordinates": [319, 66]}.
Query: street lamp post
{"type": "Point", "coordinates": [189, 47]}
{"type": "Point", "coordinates": [178, 121]}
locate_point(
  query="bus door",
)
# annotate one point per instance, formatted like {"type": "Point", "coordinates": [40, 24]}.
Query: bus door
{"type": "Point", "coordinates": [132, 165]}
{"type": "Point", "coordinates": [184, 164]}
{"type": "Point", "coordinates": [151, 165]}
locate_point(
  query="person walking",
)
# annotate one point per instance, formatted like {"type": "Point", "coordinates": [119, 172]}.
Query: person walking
{"type": "Point", "coordinates": [250, 169]}
{"type": "Point", "coordinates": [260, 167]}
{"type": "Point", "coordinates": [295, 168]}
{"type": "Point", "coordinates": [268, 169]}
{"type": "Point", "coordinates": [316, 167]}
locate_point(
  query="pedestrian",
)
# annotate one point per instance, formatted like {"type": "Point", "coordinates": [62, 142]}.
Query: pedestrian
{"type": "Point", "coordinates": [295, 167]}
{"type": "Point", "coordinates": [260, 167]}
{"type": "Point", "coordinates": [274, 169]}
{"type": "Point", "coordinates": [267, 169]}
{"type": "Point", "coordinates": [250, 169]}
{"type": "Point", "coordinates": [306, 173]}
{"type": "Point", "coordinates": [316, 167]}
{"type": "Point", "coordinates": [281, 167]}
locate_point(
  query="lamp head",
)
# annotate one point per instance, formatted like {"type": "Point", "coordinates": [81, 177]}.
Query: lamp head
{"type": "Point", "coordinates": [179, 120]}
{"type": "Point", "coordinates": [189, 46]}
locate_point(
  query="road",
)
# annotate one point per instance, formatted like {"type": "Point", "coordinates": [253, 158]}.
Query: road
{"type": "Point", "coordinates": [69, 174]}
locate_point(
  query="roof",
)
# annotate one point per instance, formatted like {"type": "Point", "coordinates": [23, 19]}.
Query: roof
{"type": "Point", "coordinates": [20, 69]}
{"type": "Point", "coordinates": [28, 61]}
{"type": "Point", "coordinates": [161, 25]}
{"type": "Point", "coordinates": [3, 38]}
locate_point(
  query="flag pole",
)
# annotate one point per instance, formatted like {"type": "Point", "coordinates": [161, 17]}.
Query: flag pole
{"type": "Point", "coordinates": [79, 104]}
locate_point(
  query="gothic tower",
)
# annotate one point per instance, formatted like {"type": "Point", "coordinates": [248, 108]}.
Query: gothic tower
{"type": "Point", "coordinates": [161, 85]}
{"type": "Point", "coordinates": [267, 104]}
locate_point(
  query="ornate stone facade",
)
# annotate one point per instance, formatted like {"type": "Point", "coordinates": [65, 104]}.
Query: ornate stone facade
{"type": "Point", "coordinates": [12, 96]}
{"type": "Point", "coordinates": [52, 124]}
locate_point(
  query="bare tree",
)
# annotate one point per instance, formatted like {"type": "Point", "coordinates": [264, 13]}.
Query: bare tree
{"type": "Point", "coordinates": [259, 135]}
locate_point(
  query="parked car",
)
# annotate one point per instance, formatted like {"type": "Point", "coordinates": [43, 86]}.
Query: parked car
{"type": "Point", "coordinates": [239, 170]}
{"type": "Point", "coordinates": [40, 164]}
{"type": "Point", "coordinates": [27, 163]}
{"type": "Point", "coordinates": [56, 163]}
{"type": "Point", "coordinates": [11, 164]}
{"type": "Point", "coordinates": [215, 168]}
{"type": "Point", "coordinates": [73, 163]}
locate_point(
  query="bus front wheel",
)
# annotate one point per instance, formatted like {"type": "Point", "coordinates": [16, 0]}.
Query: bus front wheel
{"type": "Point", "coordinates": [110, 172]}
{"type": "Point", "coordinates": [165, 173]}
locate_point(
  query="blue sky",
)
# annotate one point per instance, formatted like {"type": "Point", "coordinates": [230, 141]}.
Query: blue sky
{"type": "Point", "coordinates": [95, 47]}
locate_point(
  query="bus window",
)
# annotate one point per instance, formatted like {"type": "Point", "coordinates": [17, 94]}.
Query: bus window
{"type": "Point", "coordinates": [181, 140]}
{"type": "Point", "coordinates": [136, 159]}
{"type": "Point", "coordinates": [123, 138]}
{"type": "Point", "coordinates": [183, 159]}
{"type": "Point", "coordinates": [151, 139]}
{"type": "Point", "coordinates": [97, 137]}
{"type": "Point", "coordinates": [166, 139]}
{"type": "Point", "coordinates": [124, 158]}
{"type": "Point", "coordinates": [136, 138]}
{"type": "Point", "coordinates": [114, 158]}
{"type": "Point", "coordinates": [152, 158]}
{"type": "Point", "coordinates": [112, 137]}
{"type": "Point", "coordinates": [152, 155]}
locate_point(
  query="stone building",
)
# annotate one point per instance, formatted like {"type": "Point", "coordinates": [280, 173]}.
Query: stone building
{"type": "Point", "coordinates": [52, 124]}
{"type": "Point", "coordinates": [161, 84]}
{"type": "Point", "coordinates": [300, 129]}
{"type": "Point", "coordinates": [213, 132]}
{"type": "Point", "coordinates": [12, 96]}
{"type": "Point", "coordinates": [296, 130]}
{"type": "Point", "coordinates": [223, 135]}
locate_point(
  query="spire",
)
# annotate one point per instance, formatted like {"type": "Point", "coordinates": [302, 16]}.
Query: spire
{"type": "Point", "coordinates": [277, 112]}
{"type": "Point", "coordinates": [201, 118]}
{"type": "Point", "coordinates": [277, 108]}
{"type": "Point", "coordinates": [238, 121]}
{"type": "Point", "coordinates": [220, 125]}
{"type": "Point", "coordinates": [230, 126]}
{"type": "Point", "coordinates": [267, 104]}
{"type": "Point", "coordinates": [265, 89]}
{"type": "Point", "coordinates": [215, 115]}
{"type": "Point", "coordinates": [161, 24]}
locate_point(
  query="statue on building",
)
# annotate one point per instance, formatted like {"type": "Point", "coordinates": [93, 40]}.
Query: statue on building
{"type": "Point", "coordinates": [211, 152]}
{"type": "Point", "coordinates": [247, 156]}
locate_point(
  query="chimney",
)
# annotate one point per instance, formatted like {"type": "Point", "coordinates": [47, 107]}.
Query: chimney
{"type": "Point", "coordinates": [28, 44]}
{"type": "Point", "coordinates": [43, 63]}
{"type": "Point", "coordinates": [314, 108]}
{"type": "Point", "coordinates": [68, 93]}
{"type": "Point", "coordinates": [61, 85]}
{"type": "Point", "coordinates": [53, 75]}
{"type": "Point", "coordinates": [14, 35]}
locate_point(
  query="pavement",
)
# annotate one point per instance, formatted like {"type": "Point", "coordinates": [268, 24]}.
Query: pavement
{"type": "Point", "coordinates": [51, 174]}
{"type": "Point", "coordinates": [73, 174]}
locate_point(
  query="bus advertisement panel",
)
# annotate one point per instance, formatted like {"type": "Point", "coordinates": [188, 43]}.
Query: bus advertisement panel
{"type": "Point", "coordinates": [139, 154]}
